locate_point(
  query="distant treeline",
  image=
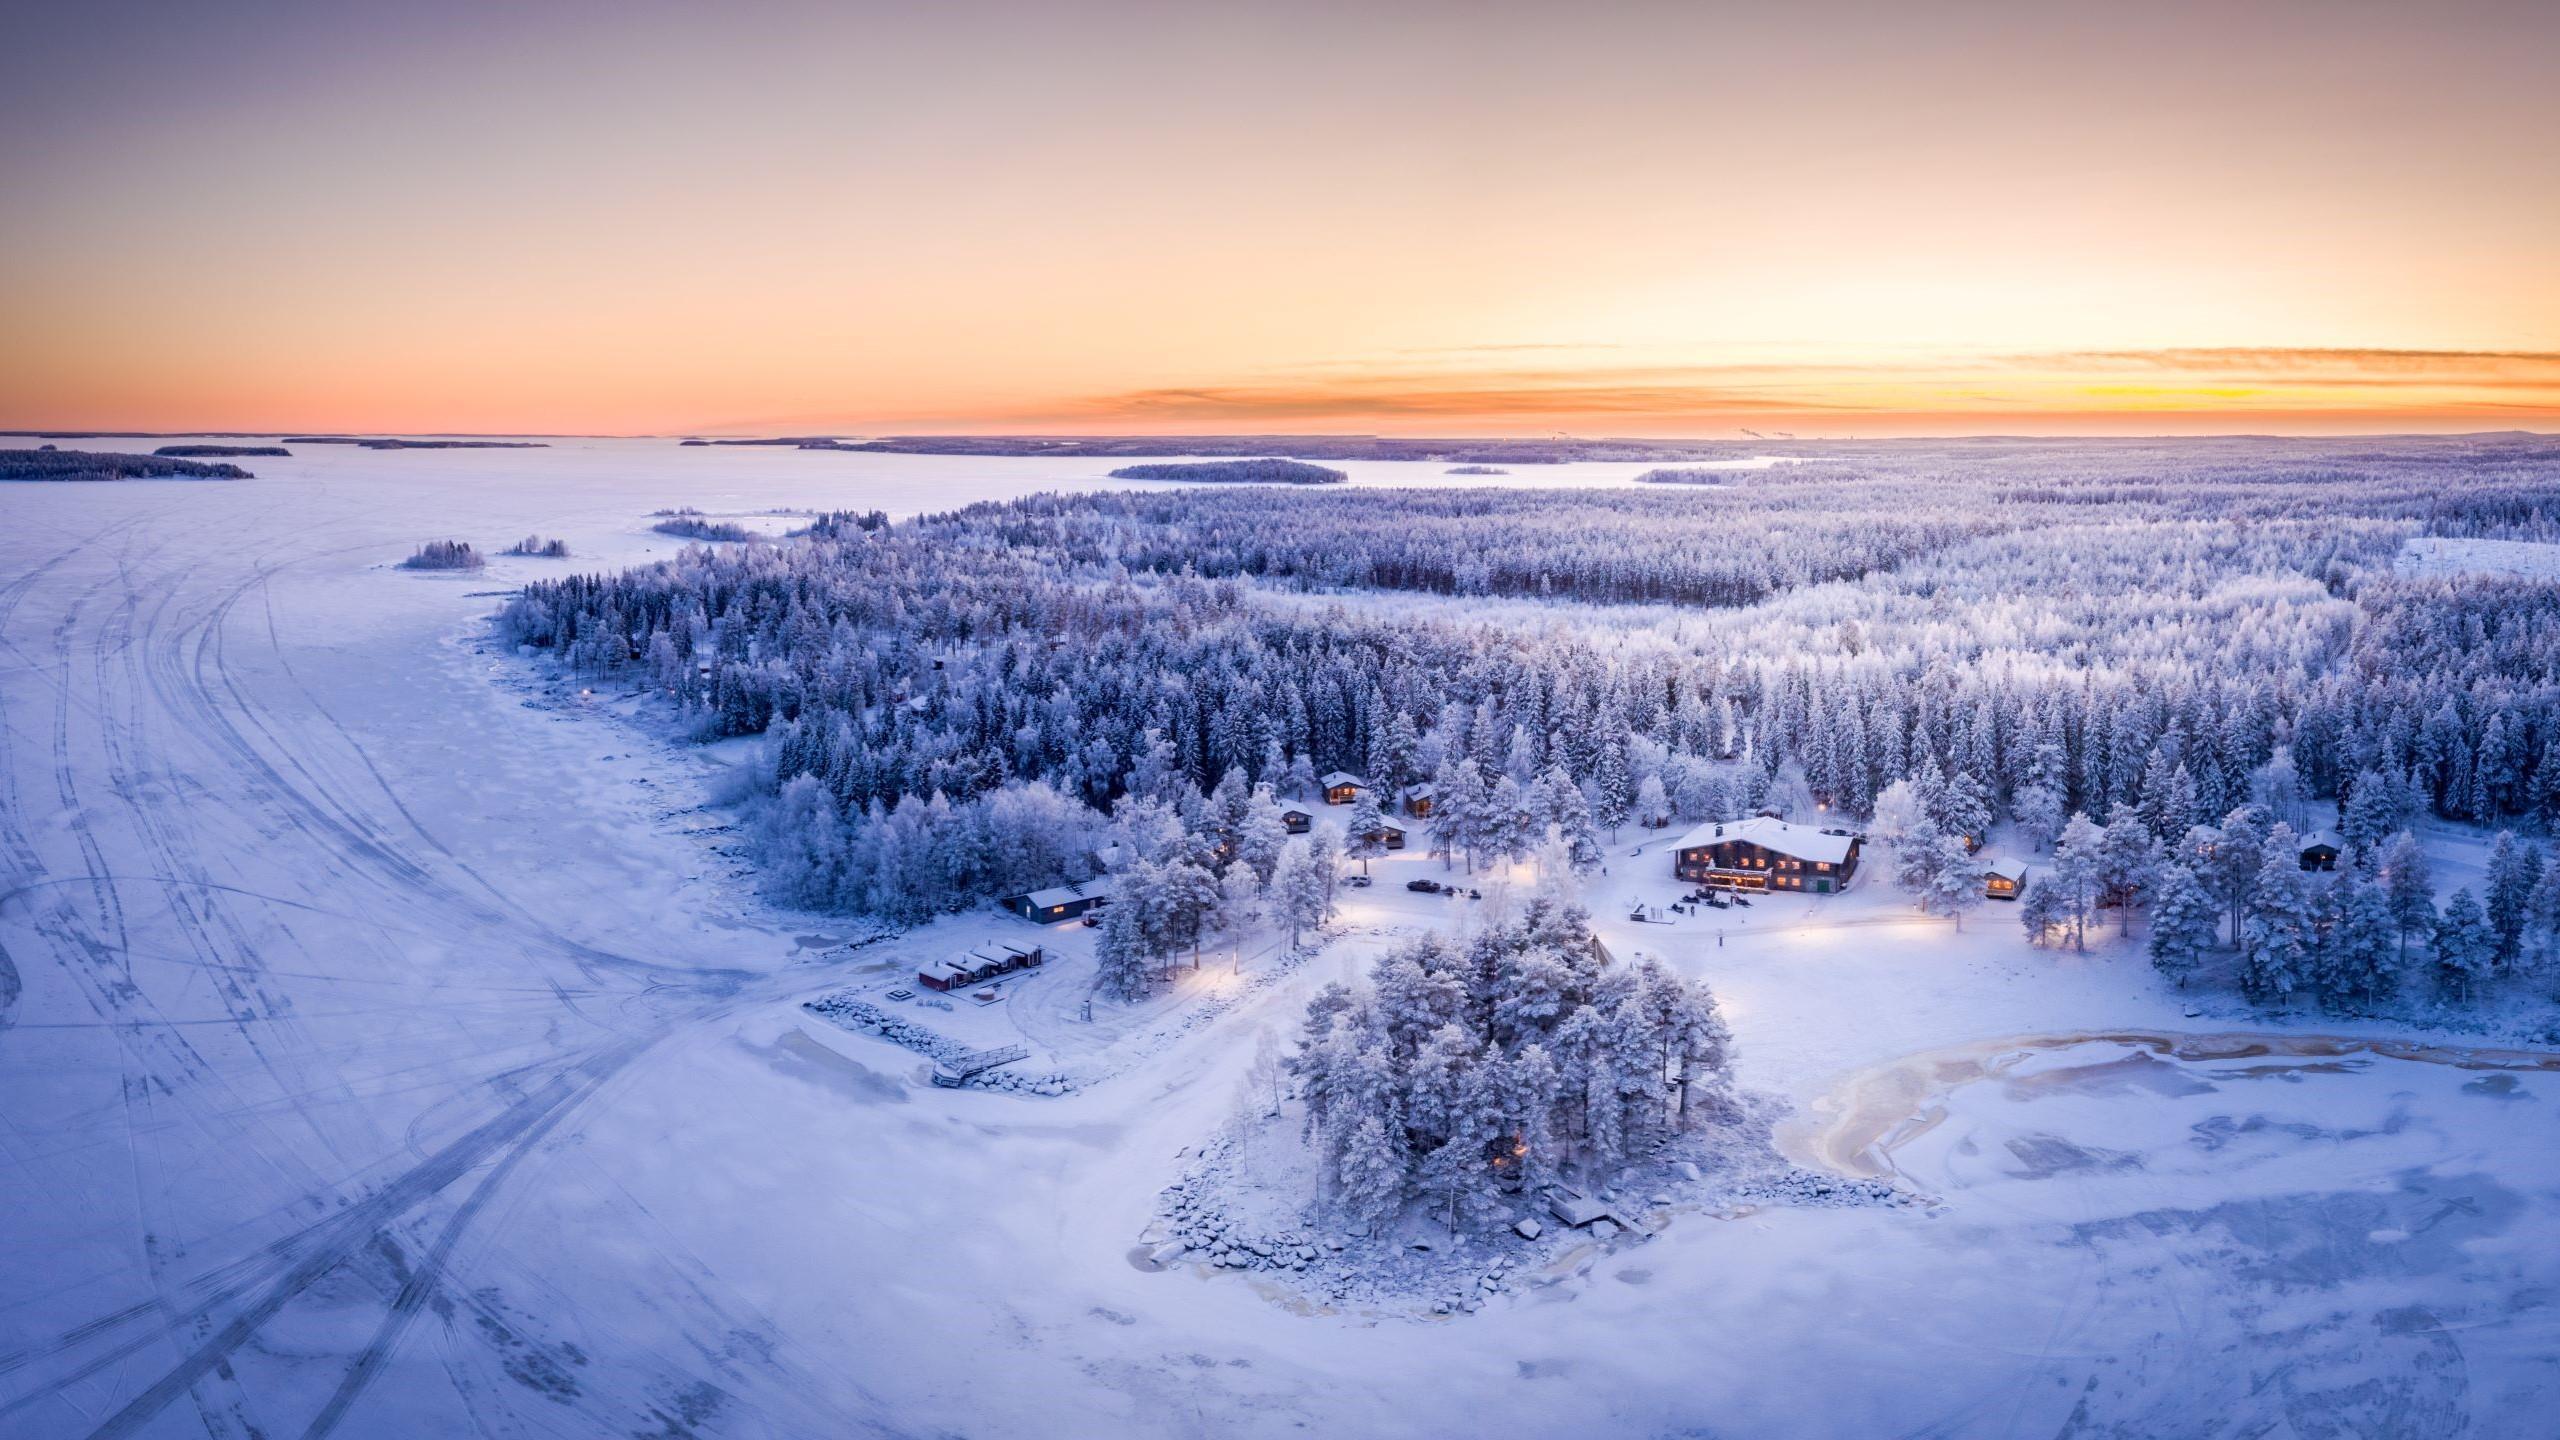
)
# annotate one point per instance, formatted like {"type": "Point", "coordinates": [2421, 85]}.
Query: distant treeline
{"type": "Point", "coordinates": [52, 464]}
{"type": "Point", "coordinates": [217, 451]}
{"type": "Point", "coordinates": [1304, 447]}
{"type": "Point", "coordinates": [1683, 475]}
{"type": "Point", "coordinates": [540, 548]}
{"type": "Point", "coordinates": [1234, 472]}
{"type": "Point", "coordinates": [399, 444]}
{"type": "Point", "coordinates": [1477, 470]}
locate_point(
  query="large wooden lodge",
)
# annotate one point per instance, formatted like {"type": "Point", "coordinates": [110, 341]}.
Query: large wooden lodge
{"type": "Point", "coordinates": [1764, 853]}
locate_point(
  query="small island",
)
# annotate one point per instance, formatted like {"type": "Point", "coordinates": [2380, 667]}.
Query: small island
{"type": "Point", "coordinates": [1684, 475]}
{"type": "Point", "coordinates": [1477, 470]}
{"type": "Point", "coordinates": [444, 555]}
{"type": "Point", "coordinates": [1234, 472]}
{"type": "Point", "coordinates": [51, 464]}
{"type": "Point", "coordinates": [688, 523]}
{"type": "Point", "coordinates": [219, 451]}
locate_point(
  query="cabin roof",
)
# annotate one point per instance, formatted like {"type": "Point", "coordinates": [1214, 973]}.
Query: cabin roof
{"type": "Point", "coordinates": [1801, 842]}
{"type": "Point", "coordinates": [1056, 895]}
{"type": "Point", "coordinates": [2318, 838]}
{"type": "Point", "coordinates": [2005, 867]}
{"type": "Point", "coordinates": [1335, 778]}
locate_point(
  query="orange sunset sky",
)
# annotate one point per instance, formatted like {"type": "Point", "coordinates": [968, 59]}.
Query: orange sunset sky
{"type": "Point", "coordinates": [1679, 220]}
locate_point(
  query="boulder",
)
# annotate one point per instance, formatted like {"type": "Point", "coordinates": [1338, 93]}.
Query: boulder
{"type": "Point", "coordinates": [1528, 1227]}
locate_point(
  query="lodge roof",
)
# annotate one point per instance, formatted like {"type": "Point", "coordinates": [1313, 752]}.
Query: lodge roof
{"type": "Point", "coordinates": [1802, 842]}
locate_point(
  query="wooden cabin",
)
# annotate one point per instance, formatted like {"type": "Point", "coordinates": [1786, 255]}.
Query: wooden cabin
{"type": "Point", "coordinates": [1417, 802]}
{"type": "Point", "coordinates": [2004, 878]}
{"type": "Point", "coordinates": [1296, 821]}
{"type": "Point", "coordinates": [1341, 787]}
{"type": "Point", "coordinates": [1391, 836]}
{"type": "Point", "coordinates": [1765, 853]}
{"type": "Point", "coordinates": [976, 967]}
{"type": "Point", "coordinates": [2320, 850]}
{"type": "Point", "coordinates": [1062, 902]}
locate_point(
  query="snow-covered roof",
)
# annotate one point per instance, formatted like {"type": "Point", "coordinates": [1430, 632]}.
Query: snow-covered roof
{"type": "Point", "coordinates": [1417, 792]}
{"type": "Point", "coordinates": [1334, 779]}
{"type": "Point", "coordinates": [1803, 842]}
{"type": "Point", "coordinates": [2323, 837]}
{"type": "Point", "coordinates": [2005, 867]}
{"type": "Point", "coordinates": [1068, 894]}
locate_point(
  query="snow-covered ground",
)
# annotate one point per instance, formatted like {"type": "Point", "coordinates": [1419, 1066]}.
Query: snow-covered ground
{"type": "Point", "coordinates": [390, 1048]}
{"type": "Point", "coordinates": [2438, 556]}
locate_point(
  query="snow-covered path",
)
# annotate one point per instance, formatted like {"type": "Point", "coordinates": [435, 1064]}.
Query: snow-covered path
{"type": "Point", "coordinates": [380, 1056]}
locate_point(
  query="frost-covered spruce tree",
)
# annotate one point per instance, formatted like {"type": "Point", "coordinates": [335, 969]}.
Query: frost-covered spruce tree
{"type": "Point", "coordinates": [1370, 1174]}
{"type": "Point", "coordinates": [2513, 871]}
{"type": "Point", "coordinates": [1955, 883]}
{"type": "Point", "coordinates": [2184, 924]}
{"type": "Point", "coordinates": [2466, 947]}
{"type": "Point", "coordinates": [1297, 892]}
{"type": "Point", "coordinates": [2128, 860]}
{"type": "Point", "coordinates": [2077, 878]}
{"type": "Point", "coordinates": [2041, 913]}
{"type": "Point", "coordinates": [2279, 939]}
{"type": "Point", "coordinates": [1125, 964]}
{"type": "Point", "coordinates": [2363, 965]}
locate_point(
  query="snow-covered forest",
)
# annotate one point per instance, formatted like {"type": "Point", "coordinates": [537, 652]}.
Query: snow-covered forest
{"type": "Point", "coordinates": [957, 703]}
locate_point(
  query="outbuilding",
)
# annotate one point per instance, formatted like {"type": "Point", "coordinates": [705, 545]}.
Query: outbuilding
{"type": "Point", "coordinates": [1341, 787]}
{"type": "Point", "coordinates": [976, 967]}
{"type": "Point", "coordinates": [2004, 878]}
{"type": "Point", "coordinates": [2320, 850]}
{"type": "Point", "coordinates": [1296, 821]}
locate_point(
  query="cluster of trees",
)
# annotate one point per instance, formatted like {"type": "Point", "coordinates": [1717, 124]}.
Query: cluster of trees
{"type": "Point", "coordinates": [444, 555]}
{"type": "Point", "coordinates": [1234, 472]}
{"type": "Point", "coordinates": [1470, 1068]}
{"type": "Point", "coordinates": [1198, 868]}
{"type": "Point", "coordinates": [220, 452]}
{"type": "Point", "coordinates": [537, 546]}
{"type": "Point", "coordinates": [2351, 939]}
{"type": "Point", "coordinates": [2358, 937]}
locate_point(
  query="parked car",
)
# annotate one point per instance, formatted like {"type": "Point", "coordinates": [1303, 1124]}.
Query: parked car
{"type": "Point", "coordinates": [1093, 922]}
{"type": "Point", "coordinates": [1423, 887]}
{"type": "Point", "coordinates": [1356, 882]}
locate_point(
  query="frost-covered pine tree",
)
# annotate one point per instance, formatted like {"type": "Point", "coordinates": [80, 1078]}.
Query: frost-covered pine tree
{"type": "Point", "coordinates": [1955, 883]}
{"type": "Point", "coordinates": [1366, 830]}
{"type": "Point", "coordinates": [2279, 939]}
{"type": "Point", "coordinates": [1369, 1176]}
{"type": "Point", "coordinates": [2363, 962]}
{"type": "Point", "coordinates": [1297, 892]}
{"type": "Point", "coordinates": [2077, 878]}
{"type": "Point", "coordinates": [2128, 858]}
{"type": "Point", "coordinates": [2411, 888]}
{"type": "Point", "coordinates": [2507, 891]}
{"type": "Point", "coordinates": [2042, 912]}
{"type": "Point", "coordinates": [2466, 945]}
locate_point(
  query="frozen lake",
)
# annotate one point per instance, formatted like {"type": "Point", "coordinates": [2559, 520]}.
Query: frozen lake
{"type": "Point", "coordinates": [383, 1056]}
